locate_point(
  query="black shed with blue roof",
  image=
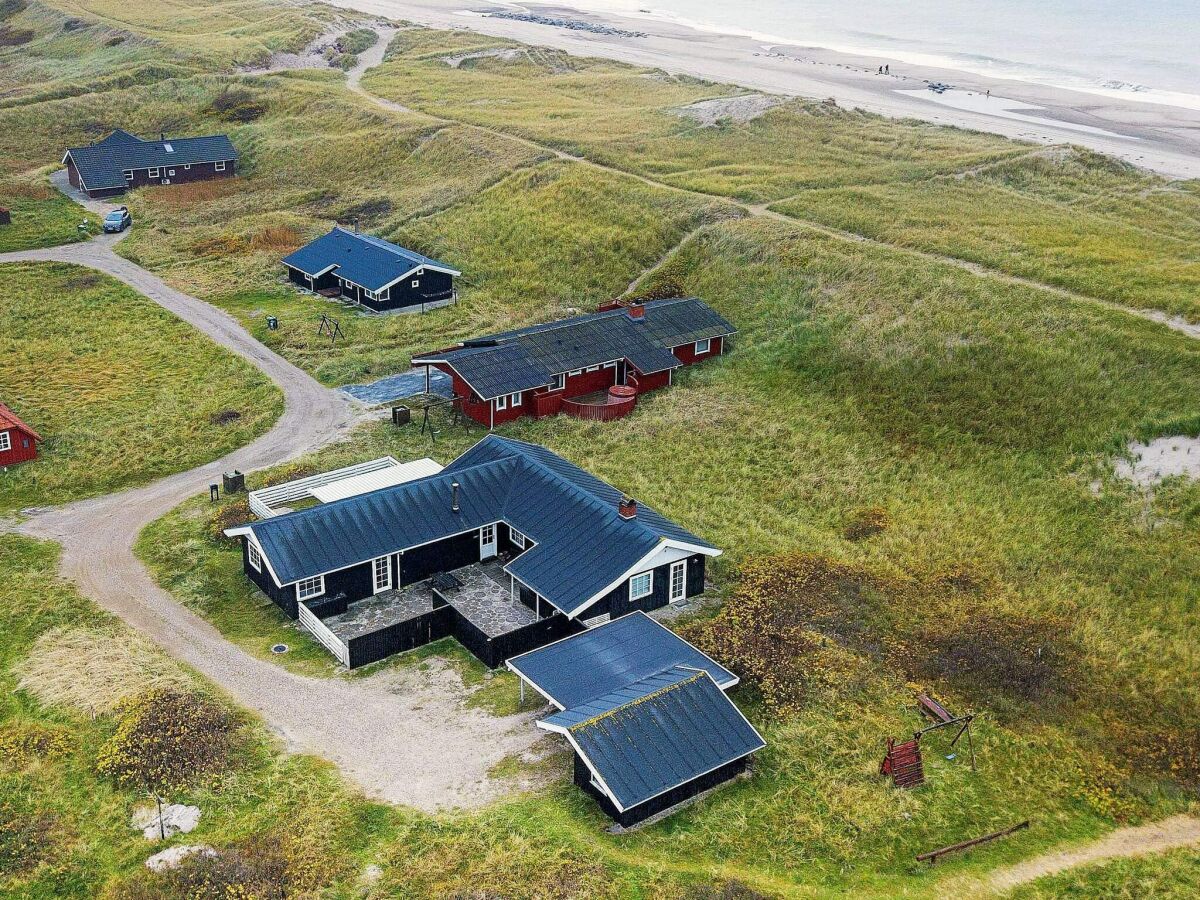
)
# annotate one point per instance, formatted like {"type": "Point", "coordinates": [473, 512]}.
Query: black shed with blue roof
{"type": "Point", "coordinates": [645, 713]}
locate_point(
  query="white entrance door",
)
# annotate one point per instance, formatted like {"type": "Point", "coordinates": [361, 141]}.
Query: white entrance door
{"type": "Point", "coordinates": [382, 572]}
{"type": "Point", "coordinates": [678, 581]}
{"type": "Point", "coordinates": [487, 542]}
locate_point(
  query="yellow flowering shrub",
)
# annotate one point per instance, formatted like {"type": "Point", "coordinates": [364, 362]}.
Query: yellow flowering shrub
{"type": "Point", "coordinates": [22, 743]}
{"type": "Point", "coordinates": [166, 740]}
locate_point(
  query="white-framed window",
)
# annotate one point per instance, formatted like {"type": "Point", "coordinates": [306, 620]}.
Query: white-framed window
{"type": "Point", "coordinates": [128, 173]}
{"type": "Point", "coordinates": [382, 570]}
{"type": "Point", "coordinates": [153, 173]}
{"type": "Point", "coordinates": [559, 382]}
{"type": "Point", "coordinates": [704, 346]}
{"type": "Point", "coordinates": [254, 556]}
{"type": "Point", "coordinates": [308, 588]}
{"type": "Point", "coordinates": [641, 585]}
{"type": "Point", "coordinates": [610, 365]}
{"type": "Point", "coordinates": [514, 400]}
{"type": "Point", "coordinates": [370, 295]}
{"type": "Point", "coordinates": [592, 369]}
{"type": "Point", "coordinates": [516, 537]}
{"type": "Point", "coordinates": [420, 272]}
{"type": "Point", "coordinates": [575, 372]}
{"type": "Point", "coordinates": [220, 167]}
{"type": "Point", "coordinates": [187, 167]}
{"type": "Point", "coordinates": [170, 171]}
{"type": "Point", "coordinates": [416, 282]}
{"type": "Point", "coordinates": [5, 441]}
{"type": "Point", "coordinates": [502, 402]}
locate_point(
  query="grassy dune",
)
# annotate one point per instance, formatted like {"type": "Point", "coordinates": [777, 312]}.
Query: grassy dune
{"type": "Point", "coordinates": [120, 389]}
{"type": "Point", "coordinates": [41, 217]}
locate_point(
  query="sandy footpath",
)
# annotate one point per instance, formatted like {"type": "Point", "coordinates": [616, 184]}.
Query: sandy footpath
{"type": "Point", "coordinates": [1162, 138]}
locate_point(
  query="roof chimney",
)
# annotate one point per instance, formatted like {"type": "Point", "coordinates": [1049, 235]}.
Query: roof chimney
{"type": "Point", "coordinates": [162, 135]}
{"type": "Point", "coordinates": [636, 310]}
{"type": "Point", "coordinates": [627, 508]}
{"type": "Point", "coordinates": [454, 496]}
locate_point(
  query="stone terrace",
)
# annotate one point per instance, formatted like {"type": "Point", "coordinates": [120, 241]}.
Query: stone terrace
{"type": "Point", "coordinates": [485, 599]}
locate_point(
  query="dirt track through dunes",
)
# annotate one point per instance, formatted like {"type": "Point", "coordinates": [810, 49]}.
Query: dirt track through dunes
{"type": "Point", "coordinates": [1169, 834]}
{"type": "Point", "coordinates": [401, 736]}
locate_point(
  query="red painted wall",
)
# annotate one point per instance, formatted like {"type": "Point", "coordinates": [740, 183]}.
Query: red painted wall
{"type": "Point", "coordinates": [19, 452]}
{"type": "Point", "coordinates": [686, 353]}
{"type": "Point", "coordinates": [654, 381]}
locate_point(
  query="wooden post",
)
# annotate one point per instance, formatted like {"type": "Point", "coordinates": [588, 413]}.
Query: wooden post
{"type": "Point", "coordinates": [971, 745]}
{"type": "Point", "coordinates": [932, 856]}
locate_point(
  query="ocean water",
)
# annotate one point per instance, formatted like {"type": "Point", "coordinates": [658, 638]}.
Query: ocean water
{"type": "Point", "coordinates": [1136, 49]}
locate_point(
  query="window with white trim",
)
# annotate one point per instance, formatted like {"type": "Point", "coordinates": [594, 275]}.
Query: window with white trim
{"type": "Point", "coordinates": [516, 537]}
{"type": "Point", "coordinates": [308, 588]}
{"type": "Point", "coordinates": [514, 400]}
{"type": "Point", "coordinates": [5, 441]}
{"type": "Point", "coordinates": [593, 369]}
{"type": "Point", "coordinates": [152, 173]}
{"type": "Point", "coordinates": [575, 372]}
{"type": "Point", "coordinates": [420, 272]}
{"type": "Point", "coordinates": [416, 282]}
{"type": "Point", "coordinates": [220, 167]}
{"type": "Point", "coordinates": [641, 585]}
{"type": "Point", "coordinates": [559, 382]}
{"type": "Point", "coordinates": [703, 346]}
{"type": "Point", "coordinates": [383, 574]}
{"type": "Point", "coordinates": [170, 171]}
{"type": "Point", "coordinates": [187, 167]}
{"type": "Point", "coordinates": [502, 402]}
{"type": "Point", "coordinates": [253, 556]}
{"type": "Point", "coordinates": [128, 173]}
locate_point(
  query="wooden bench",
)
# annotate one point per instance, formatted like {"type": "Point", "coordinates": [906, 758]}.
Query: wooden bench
{"type": "Point", "coordinates": [934, 710]}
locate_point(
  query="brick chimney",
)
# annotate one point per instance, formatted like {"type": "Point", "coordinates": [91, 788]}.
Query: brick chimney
{"type": "Point", "coordinates": [454, 496]}
{"type": "Point", "coordinates": [635, 310]}
{"type": "Point", "coordinates": [627, 508]}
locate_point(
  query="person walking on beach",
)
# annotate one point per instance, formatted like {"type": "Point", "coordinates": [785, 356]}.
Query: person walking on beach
{"type": "Point", "coordinates": [887, 70]}
{"type": "Point", "coordinates": [880, 72]}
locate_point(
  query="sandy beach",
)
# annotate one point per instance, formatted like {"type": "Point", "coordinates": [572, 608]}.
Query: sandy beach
{"type": "Point", "coordinates": [1161, 138]}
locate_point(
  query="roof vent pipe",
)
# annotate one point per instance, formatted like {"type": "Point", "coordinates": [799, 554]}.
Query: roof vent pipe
{"type": "Point", "coordinates": [454, 496]}
{"type": "Point", "coordinates": [627, 508]}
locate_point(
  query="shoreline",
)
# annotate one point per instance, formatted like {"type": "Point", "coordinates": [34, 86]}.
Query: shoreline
{"type": "Point", "coordinates": [1164, 139]}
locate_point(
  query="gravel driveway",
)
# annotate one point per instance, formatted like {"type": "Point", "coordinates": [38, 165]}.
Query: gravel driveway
{"type": "Point", "coordinates": [402, 737]}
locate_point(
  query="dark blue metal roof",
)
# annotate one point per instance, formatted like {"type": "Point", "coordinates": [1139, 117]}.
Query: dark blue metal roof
{"type": "Point", "coordinates": [368, 261]}
{"type": "Point", "coordinates": [103, 164]}
{"type": "Point", "coordinates": [658, 734]}
{"type": "Point", "coordinates": [582, 545]}
{"type": "Point", "coordinates": [610, 657]}
{"type": "Point", "coordinates": [527, 358]}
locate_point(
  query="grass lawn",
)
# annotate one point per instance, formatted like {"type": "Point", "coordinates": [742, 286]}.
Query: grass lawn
{"type": "Point", "coordinates": [120, 389]}
{"type": "Point", "coordinates": [41, 217]}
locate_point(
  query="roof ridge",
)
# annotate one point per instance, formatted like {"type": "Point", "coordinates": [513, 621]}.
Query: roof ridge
{"type": "Point", "coordinates": [587, 723]}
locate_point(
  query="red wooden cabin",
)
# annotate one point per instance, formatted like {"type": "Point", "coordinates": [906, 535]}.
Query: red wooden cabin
{"type": "Point", "coordinates": [18, 442]}
{"type": "Point", "coordinates": [592, 367]}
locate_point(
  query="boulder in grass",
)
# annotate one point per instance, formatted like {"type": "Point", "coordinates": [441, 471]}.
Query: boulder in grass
{"type": "Point", "coordinates": [176, 819]}
{"type": "Point", "coordinates": [173, 856]}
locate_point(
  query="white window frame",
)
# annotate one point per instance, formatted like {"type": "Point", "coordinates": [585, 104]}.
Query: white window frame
{"type": "Point", "coordinates": [307, 593]}
{"type": "Point", "coordinates": [253, 556]}
{"type": "Point", "coordinates": [592, 369]}
{"type": "Point", "coordinates": [420, 272]}
{"type": "Point", "coordinates": [514, 400]}
{"type": "Point", "coordinates": [679, 566]}
{"type": "Point", "coordinates": [516, 537]}
{"type": "Point", "coordinates": [128, 173]}
{"type": "Point", "coordinates": [220, 167]}
{"type": "Point", "coordinates": [386, 584]}
{"type": "Point", "coordinates": [649, 576]}
{"type": "Point", "coordinates": [560, 382]}
{"type": "Point", "coordinates": [171, 172]}
{"type": "Point", "coordinates": [152, 173]}
{"type": "Point", "coordinates": [707, 346]}
{"type": "Point", "coordinates": [370, 294]}
{"type": "Point", "coordinates": [610, 365]}
{"type": "Point", "coordinates": [501, 402]}
{"type": "Point", "coordinates": [187, 167]}
{"type": "Point", "coordinates": [416, 282]}
{"type": "Point", "coordinates": [5, 441]}
{"type": "Point", "coordinates": [575, 372]}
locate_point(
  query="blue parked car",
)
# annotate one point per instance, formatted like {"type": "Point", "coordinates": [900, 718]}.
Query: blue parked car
{"type": "Point", "coordinates": [118, 220]}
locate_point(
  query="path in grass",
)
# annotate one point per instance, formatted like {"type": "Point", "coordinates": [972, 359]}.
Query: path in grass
{"type": "Point", "coordinates": [401, 736]}
{"type": "Point", "coordinates": [374, 57]}
{"type": "Point", "coordinates": [1156, 837]}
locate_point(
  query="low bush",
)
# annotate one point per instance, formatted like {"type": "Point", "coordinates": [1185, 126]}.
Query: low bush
{"type": "Point", "coordinates": [238, 105]}
{"type": "Point", "coordinates": [14, 37]}
{"type": "Point", "coordinates": [167, 740]}
{"type": "Point", "coordinates": [22, 743]}
{"type": "Point", "coordinates": [229, 515]}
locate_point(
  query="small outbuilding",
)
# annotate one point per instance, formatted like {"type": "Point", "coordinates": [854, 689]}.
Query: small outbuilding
{"type": "Point", "coordinates": [18, 442]}
{"type": "Point", "coordinates": [123, 161]}
{"type": "Point", "coordinates": [374, 273]}
{"type": "Point", "coordinates": [645, 713]}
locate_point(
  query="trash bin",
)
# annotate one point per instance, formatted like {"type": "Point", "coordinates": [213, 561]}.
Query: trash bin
{"type": "Point", "coordinates": [234, 482]}
{"type": "Point", "coordinates": [401, 415]}
{"type": "Point", "coordinates": [272, 323]}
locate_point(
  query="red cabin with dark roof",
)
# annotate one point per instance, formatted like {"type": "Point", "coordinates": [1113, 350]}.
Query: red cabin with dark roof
{"type": "Point", "coordinates": [18, 442]}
